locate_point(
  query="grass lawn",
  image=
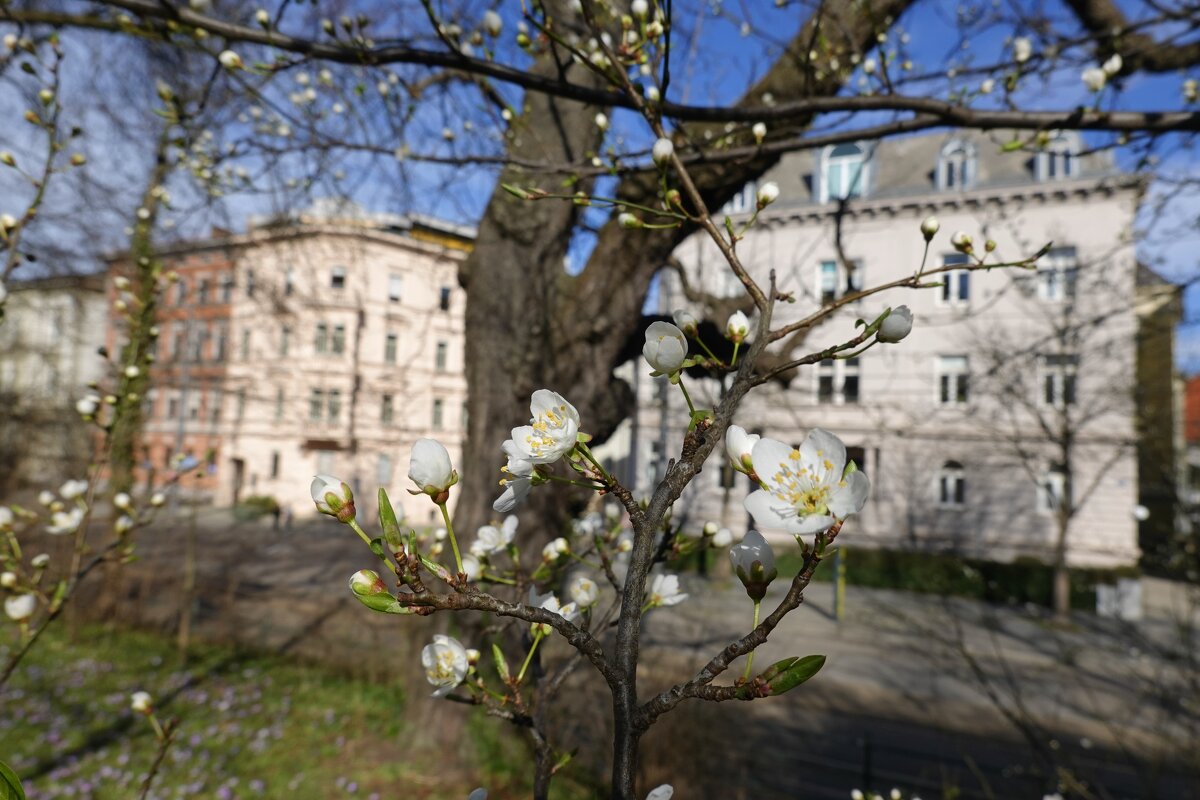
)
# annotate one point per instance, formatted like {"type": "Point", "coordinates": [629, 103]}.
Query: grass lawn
{"type": "Point", "coordinates": [249, 727]}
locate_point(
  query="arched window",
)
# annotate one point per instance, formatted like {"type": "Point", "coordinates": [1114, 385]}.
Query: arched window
{"type": "Point", "coordinates": [956, 166]}
{"type": "Point", "coordinates": [1059, 160]}
{"type": "Point", "coordinates": [844, 172]}
{"type": "Point", "coordinates": [951, 485]}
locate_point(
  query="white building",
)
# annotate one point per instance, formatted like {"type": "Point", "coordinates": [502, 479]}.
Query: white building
{"type": "Point", "coordinates": [320, 343]}
{"type": "Point", "coordinates": [1013, 384]}
{"type": "Point", "coordinates": [49, 337]}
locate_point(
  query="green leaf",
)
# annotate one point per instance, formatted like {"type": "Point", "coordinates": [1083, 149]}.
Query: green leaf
{"type": "Point", "coordinates": [770, 673]}
{"type": "Point", "coordinates": [501, 664]}
{"type": "Point", "coordinates": [10, 785]}
{"type": "Point", "coordinates": [377, 548]}
{"type": "Point", "coordinates": [1010, 146]}
{"type": "Point", "coordinates": [389, 523]}
{"type": "Point", "coordinates": [800, 671]}
{"type": "Point", "coordinates": [515, 191]}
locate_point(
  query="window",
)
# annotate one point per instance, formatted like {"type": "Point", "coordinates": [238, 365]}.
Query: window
{"type": "Point", "coordinates": [214, 408]}
{"type": "Point", "coordinates": [838, 381]}
{"type": "Point", "coordinates": [181, 291]}
{"type": "Point", "coordinates": [383, 469]}
{"type": "Point", "coordinates": [437, 414]}
{"type": "Point", "coordinates": [249, 283]}
{"type": "Point", "coordinates": [246, 345]}
{"type": "Point", "coordinates": [241, 404]}
{"type": "Point", "coordinates": [202, 292]}
{"type": "Point", "coordinates": [953, 380]}
{"type": "Point", "coordinates": [836, 280]}
{"type": "Point", "coordinates": [337, 278]}
{"type": "Point", "coordinates": [316, 405]}
{"type": "Point", "coordinates": [439, 359]}
{"type": "Point", "coordinates": [951, 485]}
{"type": "Point", "coordinates": [173, 406]}
{"type": "Point", "coordinates": [222, 342]}
{"type": "Point", "coordinates": [395, 288]}
{"type": "Point", "coordinates": [444, 298]}
{"type": "Point", "coordinates": [279, 403]}
{"type": "Point", "coordinates": [956, 284]}
{"type": "Point", "coordinates": [193, 405]}
{"type": "Point", "coordinates": [1058, 272]}
{"type": "Point", "coordinates": [179, 344]}
{"type": "Point", "coordinates": [335, 405]}
{"type": "Point", "coordinates": [389, 349]}
{"type": "Point", "coordinates": [289, 281]}
{"type": "Point", "coordinates": [321, 340]}
{"type": "Point", "coordinates": [1052, 490]}
{"type": "Point", "coordinates": [387, 410]}
{"type": "Point", "coordinates": [338, 344]}
{"type": "Point", "coordinates": [844, 172]}
{"type": "Point", "coordinates": [956, 166]}
{"type": "Point", "coordinates": [198, 343]}
{"type": "Point", "coordinates": [226, 288]}
{"type": "Point", "coordinates": [326, 460]}
{"type": "Point", "coordinates": [274, 463]}
{"type": "Point", "coordinates": [1058, 379]}
{"type": "Point", "coordinates": [1059, 159]}
{"type": "Point", "coordinates": [285, 340]}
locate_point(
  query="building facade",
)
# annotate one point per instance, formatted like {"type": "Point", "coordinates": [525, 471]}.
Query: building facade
{"type": "Point", "coordinates": [49, 338]}
{"type": "Point", "coordinates": [320, 343]}
{"type": "Point", "coordinates": [1008, 416]}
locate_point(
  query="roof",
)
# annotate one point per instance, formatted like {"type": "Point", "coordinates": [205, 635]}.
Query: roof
{"type": "Point", "coordinates": [93, 282]}
{"type": "Point", "coordinates": [907, 166]}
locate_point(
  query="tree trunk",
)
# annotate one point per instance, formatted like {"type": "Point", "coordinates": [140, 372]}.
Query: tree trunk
{"type": "Point", "coordinates": [530, 325]}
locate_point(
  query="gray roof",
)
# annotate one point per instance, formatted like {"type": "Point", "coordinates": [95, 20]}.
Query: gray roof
{"type": "Point", "coordinates": [907, 166]}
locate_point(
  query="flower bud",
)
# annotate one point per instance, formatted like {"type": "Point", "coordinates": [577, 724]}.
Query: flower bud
{"type": "Point", "coordinates": [492, 23]}
{"type": "Point", "coordinates": [583, 591]}
{"type": "Point", "coordinates": [8, 580]}
{"type": "Point", "coordinates": [662, 151]}
{"type": "Point", "coordinates": [929, 227]}
{"type": "Point", "coordinates": [20, 607]}
{"type": "Point", "coordinates": [722, 538]}
{"type": "Point", "coordinates": [962, 242]}
{"type": "Point", "coordinates": [1022, 49]}
{"type": "Point", "coordinates": [142, 703]}
{"type": "Point", "coordinates": [230, 59]}
{"type": "Point", "coordinates": [666, 347]}
{"type": "Point", "coordinates": [685, 321]}
{"type": "Point", "coordinates": [1094, 78]}
{"type": "Point", "coordinates": [760, 132]}
{"type": "Point", "coordinates": [767, 193]}
{"type": "Point", "coordinates": [7, 159]}
{"type": "Point", "coordinates": [365, 583]}
{"type": "Point", "coordinates": [629, 221]}
{"type": "Point", "coordinates": [6, 518]}
{"type": "Point", "coordinates": [895, 326]}
{"type": "Point", "coordinates": [639, 8]}
{"type": "Point", "coordinates": [122, 501]}
{"type": "Point", "coordinates": [123, 525]}
{"type": "Point", "coordinates": [754, 564]}
{"type": "Point", "coordinates": [602, 121]}
{"type": "Point", "coordinates": [157, 499]}
{"type": "Point", "coordinates": [430, 469]}
{"type": "Point", "coordinates": [40, 561]}
{"type": "Point", "coordinates": [989, 245]}
{"type": "Point", "coordinates": [87, 406]}
{"type": "Point", "coordinates": [333, 497]}
{"type": "Point", "coordinates": [554, 549]}
{"type": "Point", "coordinates": [1112, 66]}
{"type": "Point", "coordinates": [710, 528]}
{"type": "Point", "coordinates": [737, 327]}
{"type": "Point", "coordinates": [738, 446]}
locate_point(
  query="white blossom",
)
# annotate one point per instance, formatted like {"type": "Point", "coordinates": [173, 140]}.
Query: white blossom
{"type": "Point", "coordinates": [20, 607]}
{"type": "Point", "coordinates": [806, 490]}
{"type": "Point", "coordinates": [759, 129]}
{"type": "Point", "coordinates": [446, 664]}
{"type": "Point", "coordinates": [768, 193]}
{"type": "Point", "coordinates": [323, 486]}
{"type": "Point", "coordinates": [478, 794]}
{"type": "Point", "coordinates": [583, 591]}
{"type": "Point", "coordinates": [722, 538]}
{"type": "Point", "coordinates": [554, 549]}
{"type": "Point", "coordinates": [664, 792]}
{"type": "Point", "coordinates": [87, 406]}
{"type": "Point", "coordinates": [664, 591]}
{"type": "Point", "coordinates": [230, 59]}
{"type": "Point", "coordinates": [40, 561]}
{"type": "Point", "coordinates": [1112, 66]}
{"type": "Point", "coordinates": [639, 8]}
{"type": "Point", "coordinates": [64, 522]}
{"type": "Point", "coordinates": [492, 539]}
{"type": "Point", "coordinates": [6, 518]}
{"type": "Point", "coordinates": [157, 499]}
{"type": "Point", "coordinates": [492, 23]}
{"type": "Point", "coordinates": [666, 347]}
{"type": "Point", "coordinates": [124, 524]}
{"type": "Point", "coordinates": [987, 86]}
{"type": "Point", "coordinates": [685, 321]}
{"type": "Point", "coordinates": [8, 580]}
{"type": "Point", "coordinates": [962, 242]}
{"type": "Point", "coordinates": [45, 498]}
{"type": "Point", "coordinates": [1191, 90]}
{"type": "Point", "coordinates": [552, 432]}
{"type": "Point", "coordinates": [1022, 49]}
{"type": "Point", "coordinates": [73, 489]}
{"type": "Point", "coordinates": [429, 467]}
{"type": "Point", "coordinates": [602, 121]}
{"type": "Point", "coordinates": [122, 501]}
{"type": "Point", "coordinates": [520, 480]}
{"type": "Point", "coordinates": [897, 325]}
{"type": "Point", "coordinates": [929, 227]}
{"type": "Point", "coordinates": [472, 567]}
{"type": "Point", "coordinates": [1094, 78]}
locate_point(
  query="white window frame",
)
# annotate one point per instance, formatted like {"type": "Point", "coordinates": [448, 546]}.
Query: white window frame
{"type": "Point", "coordinates": [961, 154]}
{"type": "Point", "coordinates": [337, 278]}
{"type": "Point", "coordinates": [950, 486]}
{"type": "Point", "coordinates": [1059, 159]}
{"type": "Point", "coordinates": [395, 287]}
{"type": "Point", "coordinates": [837, 370]}
{"type": "Point", "coordinates": [438, 417]}
{"type": "Point", "coordinates": [441, 356]}
{"type": "Point", "coordinates": [842, 278]}
{"type": "Point", "coordinates": [1058, 275]}
{"type": "Point", "coordinates": [856, 189]}
{"type": "Point", "coordinates": [391, 347]}
{"type": "Point", "coordinates": [1051, 490]}
{"type": "Point", "coordinates": [942, 371]}
{"type": "Point", "coordinates": [954, 281]}
{"type": "Point", "coordinates": [1055, 375]}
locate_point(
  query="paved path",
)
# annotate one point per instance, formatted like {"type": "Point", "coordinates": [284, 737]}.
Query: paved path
{"type": "Point", "coordinates": [918, 691]}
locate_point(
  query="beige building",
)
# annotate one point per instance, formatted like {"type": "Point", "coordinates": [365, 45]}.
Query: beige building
{"type": "Point", "coordinates": [326, 342]}
{"type": "Point", "coordinates": [1009, 411]}
{"type": "Point", "coordinates": [49, 337]}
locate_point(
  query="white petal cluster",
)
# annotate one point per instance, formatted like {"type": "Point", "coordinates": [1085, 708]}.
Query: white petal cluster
{"type": "Point", "coordinates": [72, 490]}
{"type": "Point", "coordinates": [446, 664]}
{"type": "Point", "coordinates": [737, 327]}
{"type": "Point", "coordinates": [552, 431]}
{"type": "Point", "coordinates": [662, 151]}
{"type": "Point", "coordinates": [767, 193]}
{"type": "Point", "coordinates": [897, 325]}
{"type": "Point", "coordinates": [141, 702]}
{"type": "Point", "coordinates": [20, 607]}
{"type": "Point", "coordinates": [64, 522]}
{"type": "Point", "coordinates": [1094, 78]}
{"type": "Point", "coordinates": [805, 490]}
{"type": "Point", "coordinates": [583, 591]}
{"type": "Point", "coordinates": [738, 446]}
{"type": "Point", "coordinates": [664, 591]}
{"type": "Point", "coordinates": [1022, 49]}
{"type": "Point", "coordinates": [323, 486]}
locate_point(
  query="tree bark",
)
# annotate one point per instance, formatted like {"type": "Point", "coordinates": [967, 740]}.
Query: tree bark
{"type": "Point", "coordinates": [530, 325]}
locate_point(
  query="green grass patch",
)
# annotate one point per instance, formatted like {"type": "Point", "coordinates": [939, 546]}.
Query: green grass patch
{"type": "Point", "coordinates": [249, 726]}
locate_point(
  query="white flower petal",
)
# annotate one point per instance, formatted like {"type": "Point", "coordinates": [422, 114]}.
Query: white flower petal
{"type": "Point", "coordinates": [851, 498]}
{"type": "Point", "coordinates": [824, 454]}
{"type": "Point", "coordinates": [769, 456]}
{"type": "Point", "coordinates": [768, 510]}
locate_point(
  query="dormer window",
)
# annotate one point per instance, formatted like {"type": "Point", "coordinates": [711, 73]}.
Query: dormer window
{"type": "Point", "coordinates": [744, 201]}
{"type": "Point", "coordinates": [956, 166]}
{"type": "Point", "coordinates": [1060, 158]}
{"type": "Point", "coordinates": [844, 172]}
